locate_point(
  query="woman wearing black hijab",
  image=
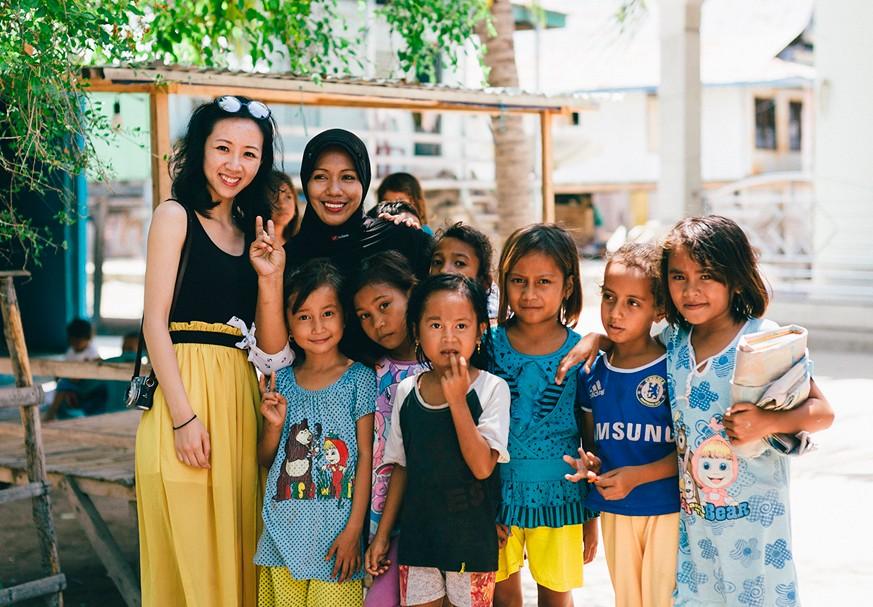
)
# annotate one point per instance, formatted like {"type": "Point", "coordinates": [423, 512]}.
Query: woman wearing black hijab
{"type": "Point", "coordinates": [335, 173]}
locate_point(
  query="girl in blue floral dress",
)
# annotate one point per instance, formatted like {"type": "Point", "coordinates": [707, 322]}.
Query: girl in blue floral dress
{"type": "Point", "coordinates": [735, 536]}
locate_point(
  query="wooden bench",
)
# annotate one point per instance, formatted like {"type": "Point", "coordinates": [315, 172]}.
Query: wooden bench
{"type": "Point", "coordinates": [89, 456]}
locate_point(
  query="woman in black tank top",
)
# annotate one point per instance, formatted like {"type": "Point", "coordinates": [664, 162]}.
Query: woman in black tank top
{"type": "Point", "coordinates": [196, 471]}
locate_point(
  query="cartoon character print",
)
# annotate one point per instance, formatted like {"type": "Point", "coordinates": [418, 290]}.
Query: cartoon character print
{"type": "Point", "coordinates": [387, 389]}
{"type": "Point", "coordinates": [715, 468]}
{"type": "Point", "coordinates": [336, 455]}
{"type": "Point", "coordinates": [689, 497]}
{"type": "Point", "coordinates": [295, 476]}
{"type": "Point", "coordinates": [381, 472]}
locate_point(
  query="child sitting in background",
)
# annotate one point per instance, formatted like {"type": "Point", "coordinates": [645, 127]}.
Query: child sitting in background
{"type": "Point", "coordinates": [78, 397]}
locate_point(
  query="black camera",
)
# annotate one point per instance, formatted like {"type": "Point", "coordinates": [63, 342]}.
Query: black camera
{"type": "Point", "coordinates": [141, 392]}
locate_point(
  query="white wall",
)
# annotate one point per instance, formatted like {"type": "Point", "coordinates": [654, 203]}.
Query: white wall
{"type": "Point", "coordinates": [618, 143]}
{"type": "Point", "coordinates": [844, 132]}
{"type": "Point", "coordinates": [726, 135]}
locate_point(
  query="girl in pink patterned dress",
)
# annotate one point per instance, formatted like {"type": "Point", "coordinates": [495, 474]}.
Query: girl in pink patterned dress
{"type": "Point", "coordinates": [380, 291]}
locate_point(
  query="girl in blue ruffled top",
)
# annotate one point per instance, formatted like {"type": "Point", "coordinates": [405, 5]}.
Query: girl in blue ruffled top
{"type": "Point", "coordinates": [541, 514]}
{"type": "Point", "coordinates": [317, 440]}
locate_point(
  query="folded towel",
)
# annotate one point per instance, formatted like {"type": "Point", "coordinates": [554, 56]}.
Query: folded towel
{"type": "Point", "coordinates": [773, 371]}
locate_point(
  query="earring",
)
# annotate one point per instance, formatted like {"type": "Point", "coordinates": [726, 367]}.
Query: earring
{"type": "Point", "coordinates": [478, 347]}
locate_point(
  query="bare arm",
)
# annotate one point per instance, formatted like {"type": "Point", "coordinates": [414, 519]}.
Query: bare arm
{"type": "Point", "coordinates": [375, 561]}
{"type": "Point", "coordinates": [477, 452]}
{"type": "Point", "coordinates": [583, 352]}
{"type": "Point", "coordinates": [665, 467]}
{"type": "Point", "coordinates": [165, 241]}
{"type": "Point", "coordinates": [268, 260]}
{"type": "Point", "coordinates": [363, 474]}
{"type": "Point", "coordinates": [347, 545]}
{"type": "Point", "coordinates": [618, 483]}
{"type": "Point", "coordinates": [274, 408]}
{"type": "Point", "coordinates": [588, 432]}
{"type": "Point", "coordinates": [745, 422]}
{"type": "Point", "coordinates": [166, 238]}
{"type": "Point", "coordinates": [268, 445]}
{"type": "Point", "coordinates": [393, 501]}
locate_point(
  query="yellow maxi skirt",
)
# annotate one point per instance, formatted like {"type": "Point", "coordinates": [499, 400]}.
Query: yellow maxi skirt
{"type": "Point", "coordinates": [199, 528]}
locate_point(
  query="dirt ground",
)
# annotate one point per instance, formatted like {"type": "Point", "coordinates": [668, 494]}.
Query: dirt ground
{"type": "Point", "coordinates": [87, 582]}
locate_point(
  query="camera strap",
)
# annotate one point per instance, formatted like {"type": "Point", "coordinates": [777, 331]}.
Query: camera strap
{"type": "Point", "coordinates": [180, 273]}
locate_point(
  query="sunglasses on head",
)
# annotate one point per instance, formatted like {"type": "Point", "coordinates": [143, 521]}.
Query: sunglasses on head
{"type": "Point", "coordinates": [233, 105]}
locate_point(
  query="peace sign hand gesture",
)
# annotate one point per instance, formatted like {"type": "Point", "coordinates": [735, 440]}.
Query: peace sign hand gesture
{"type": "Point", "coordinates": [273, 404]}
{"type": "Point", "coordinates": [265, 255]}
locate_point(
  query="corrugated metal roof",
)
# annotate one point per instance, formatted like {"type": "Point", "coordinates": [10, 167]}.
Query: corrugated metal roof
{"type": "Point", "coordinates": [387, 92]}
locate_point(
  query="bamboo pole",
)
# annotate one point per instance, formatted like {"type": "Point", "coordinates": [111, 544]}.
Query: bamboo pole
{"type": "Point", "coordinates": [35, 456]}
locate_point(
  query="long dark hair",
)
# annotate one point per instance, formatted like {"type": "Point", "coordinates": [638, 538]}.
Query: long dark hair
{"type": "Point", "coordinates": [720, 245]}
{"type": "Point", "coordinates": [186, 166]}
{"type": "Point", "coordinates": [454, 283]}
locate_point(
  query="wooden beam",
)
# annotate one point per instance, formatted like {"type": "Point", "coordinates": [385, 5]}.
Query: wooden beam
{"type": "Point", "coordinates": [546, 170]}
{"type": "Point", "coordinates": [20, 397]}
{"type": "Point", "coordinates": [22, 492]}
{"type": "Point", "coordinates": [104, 544]}
{"type": "Point", "coordinates": [161, 147]}
{"type": "Point", "coordinates": [285, 88]}
{"type": "Point", "coordinates": [324, 98]}
{"type": "Point", "coordinates": [34, 589]}
{"type": "Point", "coordinates": [94, 369]}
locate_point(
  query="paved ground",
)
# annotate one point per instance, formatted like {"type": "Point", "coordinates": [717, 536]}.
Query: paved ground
{"type": "Point", "coordinates": [832, 490]}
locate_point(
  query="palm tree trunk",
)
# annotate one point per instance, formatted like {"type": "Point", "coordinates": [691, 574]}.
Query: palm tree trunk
{"type": "Point", "coordinates": [512, 147]}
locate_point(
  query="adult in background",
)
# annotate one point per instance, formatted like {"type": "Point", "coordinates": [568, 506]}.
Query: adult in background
{"type": "Point", "coordinates": [335, 173]}
{"type": "Point", "coordinates": [283, 207]}
{"type": "Point", "coordinates": [196, 468]}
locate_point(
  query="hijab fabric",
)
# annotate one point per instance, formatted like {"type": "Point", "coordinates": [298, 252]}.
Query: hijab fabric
{"type": "Point", "coordinates": [317, 239]}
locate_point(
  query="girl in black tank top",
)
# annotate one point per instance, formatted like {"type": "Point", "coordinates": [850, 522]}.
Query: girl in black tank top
{"type": "Point", "coordinates": [198, 495]}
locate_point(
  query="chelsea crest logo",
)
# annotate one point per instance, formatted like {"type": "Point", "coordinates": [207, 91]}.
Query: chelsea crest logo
{"type": "Point", "coordinates": [651, 391]}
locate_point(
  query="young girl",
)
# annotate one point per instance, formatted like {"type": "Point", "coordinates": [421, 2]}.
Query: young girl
{"type": "Point", "coordinates": [380, 292]}
{"type": "Point", "coordinates": [735, 541]}
{"type": "Point", "coordinates": [317, 442]}
{"type": "Point", "coordinates": [448, 431]}
{"type": "Point", "coordinates": [540, 296]}
{"type": "Point", "coordinates": [461, 249]}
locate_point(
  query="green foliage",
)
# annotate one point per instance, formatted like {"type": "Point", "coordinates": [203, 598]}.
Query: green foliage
{"type": "Point", "coordinates": [47, 126]}
{"type": "Point", "coordinates": [430, 28]}
{"type": "Point", "coordinates": [40, 45]}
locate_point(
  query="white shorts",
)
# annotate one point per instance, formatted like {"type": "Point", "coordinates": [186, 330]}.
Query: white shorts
{"type": "Point", "coordinates": [420, 585]}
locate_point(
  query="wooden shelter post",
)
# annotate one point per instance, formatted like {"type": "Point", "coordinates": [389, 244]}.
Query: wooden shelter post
{"type": "Point", "coordinates": [159, 110]}
{"type": "Point", "coordinates": [546, 170]}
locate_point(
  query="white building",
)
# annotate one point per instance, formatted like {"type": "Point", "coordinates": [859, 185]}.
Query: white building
{"type": "Point", "coordinates": [757, 102]}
